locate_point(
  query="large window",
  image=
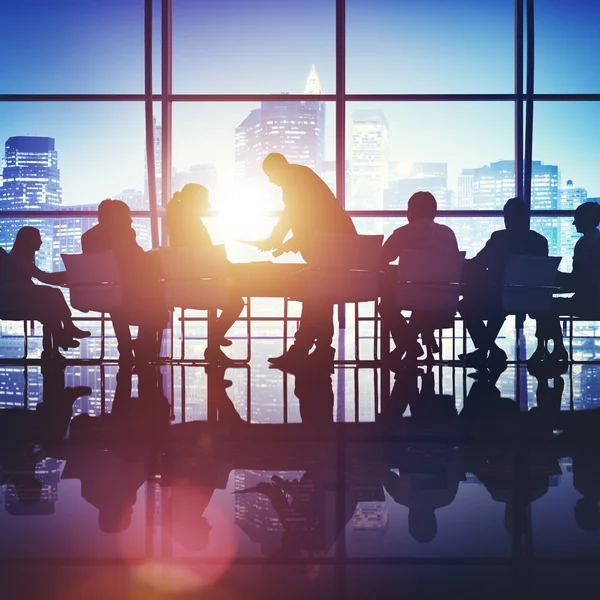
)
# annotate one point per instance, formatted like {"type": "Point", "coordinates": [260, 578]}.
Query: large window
{"type": "Point", "coordinates": [474, 101]}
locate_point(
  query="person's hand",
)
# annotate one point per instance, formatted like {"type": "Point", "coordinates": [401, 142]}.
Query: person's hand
{"type": "Point", "coordinates": [279, 251]}
{"type": "Point", "coordinates": [264, 245]}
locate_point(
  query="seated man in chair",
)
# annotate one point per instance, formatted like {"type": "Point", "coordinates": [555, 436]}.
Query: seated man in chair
{"type": "Point", "coordinates": [424, 234]}
{"type": "Point", "coordinates": [115, 233]}
{"type": "Point", "coordinates": [484, 275]}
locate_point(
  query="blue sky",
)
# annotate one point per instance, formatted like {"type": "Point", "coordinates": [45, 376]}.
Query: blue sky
{"type": "Point", "coordinates": [236, 46]}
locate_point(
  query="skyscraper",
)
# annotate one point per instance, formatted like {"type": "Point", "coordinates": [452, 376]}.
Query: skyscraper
{"type": "Point", "coordinates": [369, 163]}
{"type": "Point", "coordinates": [31, 181]}
{"type": "Point", "coordinates": [422, 176]}
{"type": "Point", "coordinates": [494, 184]}
{"type": "Point", "coordinates": [295, 129]}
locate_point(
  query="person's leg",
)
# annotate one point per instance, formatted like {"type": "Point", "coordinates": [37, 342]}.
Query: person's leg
{"type": "Point", "coordinates": [218, 330]}
{"type": "Point", "coordinates": [123, 335]}
{"type": "Point", "coordinates": [304, 338]}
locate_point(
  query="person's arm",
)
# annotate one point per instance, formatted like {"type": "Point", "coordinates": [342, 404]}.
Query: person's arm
{"type": "Point", "coordinates": [390, 250]}
{"type": "Point", "coordinates": [281, 229]}
{"type": "Point", "coordinates": [58, 278]}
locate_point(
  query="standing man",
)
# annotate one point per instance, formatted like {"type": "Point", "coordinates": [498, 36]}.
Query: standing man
{"type": "Point", "coordinates": [309, 208]}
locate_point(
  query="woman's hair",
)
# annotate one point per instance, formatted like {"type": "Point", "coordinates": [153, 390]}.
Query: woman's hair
{"type": "Point", "coordinates": [185, 206]}
{"type": "Point", "coordinates": [27, 239]}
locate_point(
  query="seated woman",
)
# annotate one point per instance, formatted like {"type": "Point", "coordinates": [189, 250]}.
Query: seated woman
{"type": "Point", "coordinates": [39, 302]}
{"type": "Point", "coordinates": [186, 229]}
{"type": "Point", "coordinates": [584, 281]}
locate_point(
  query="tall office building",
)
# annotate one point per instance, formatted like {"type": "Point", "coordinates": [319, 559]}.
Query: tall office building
{"type": "Point", "coordinates": [494, 184]}
{"type": "Point", "coordinates": [31, 181]}
{"type": "Point", "coordinates": [369, 161]}
{"type": "Point", "coordinates": [205, 174]}
{"type": "Point", "coordinates": [464, 191]}
{"type": "Point", "coordinates": [295, 129]}
{"type": "Point", "coordinates": [422, 176]}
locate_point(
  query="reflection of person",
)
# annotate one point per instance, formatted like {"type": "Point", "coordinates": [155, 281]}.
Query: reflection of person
{"type": "Point", "coordinates": [186, 229]}
{"type": "Point", "coordinates": [114, 232]}
{"type": "Point", "coordinates": [39, 302]}
{"type": "Point", "coordinates": [26, 436]}
{"type": "Point", "coordinates": [484, 276]}
{"type": "Point", "coordinates": [309, 208]}
{"type": "Point", "coordinates": [424, 234]}
{"type": "Point", "coordinates": [109, 453]}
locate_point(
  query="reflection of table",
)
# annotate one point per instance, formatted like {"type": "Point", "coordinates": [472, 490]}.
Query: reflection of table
{"type": "Point", "coordinates": [267, 279]}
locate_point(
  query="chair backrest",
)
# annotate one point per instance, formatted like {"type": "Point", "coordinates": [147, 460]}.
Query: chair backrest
{"type": "Point", "coordinates": [94, 281]}
{"type": "Point", "coordinates": [191, 264]}
{"type": "Point", "coordinates": [528, 282]}
{"type": "Point", "coordinates": [95, 267]}
{"type": "Point", "coordinates": [416, 266]}
{"type": "Point", "coordinates": [429, 281]}
{"type": "Point", "coordinates": [337, 251]}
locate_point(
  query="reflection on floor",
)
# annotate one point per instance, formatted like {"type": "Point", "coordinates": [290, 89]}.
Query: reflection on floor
{"type": "Point", "coordinates": [188, 481]}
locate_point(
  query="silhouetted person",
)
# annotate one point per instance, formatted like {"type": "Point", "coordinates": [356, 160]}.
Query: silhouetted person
{"type": "Point", "coordinates": [490, 421]}
{"type": "Point", "coordinates": [27, 436]}
{"type": "Point", "coordinates": [423, 234]}
{"type": "Point", "coordinates": [39, 302]}
{"type": "Point", "coordinates": [111, 453]}
{"type": "Point", "coordinates": [186, 229]}
{"type": "Point", "coordinates": [584, 281]}
{"type": "Point", "coordinates": [429, 472]}
{"type": "Point", "coordinates": [114, 232]}
{"type": "Point", "coordinates": [310, 208]}
{"type": "Point", "coordinates": [484, 277]}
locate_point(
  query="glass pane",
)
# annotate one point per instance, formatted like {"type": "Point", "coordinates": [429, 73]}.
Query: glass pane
{"type": "Point", "coordinates": [98, 148]}
{"type": "Point", "coordinates": [72, 47]}
{"type": "Point", "coordinates": [461, 152]}
{"type": "Point", "coordinates": [238, 47]}
{"type": "Point", "coordinates": [566, 46]}
{"type": "Point", "coordinates": [430, 46]}
{"type": "Point", "coordinates": [235, 138]}
{"type": "Point", "coordinates": [565, 147]}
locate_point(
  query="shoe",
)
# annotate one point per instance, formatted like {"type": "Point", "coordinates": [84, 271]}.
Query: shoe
{"type": "Point", "coordinates": [68, 344]}
{"type": "Point", "coordinates": [475, 360]}
{"type": "Point", "coordinates": [75, 332]}
{"type": "Point", "coordinates": [216, 356]}
{"type": "Point", "coordinates": [225, 342]}
{"type": "Point", "coordinates": [294, 358]}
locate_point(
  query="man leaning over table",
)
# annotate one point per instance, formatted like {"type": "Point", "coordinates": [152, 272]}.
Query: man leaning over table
{"type": "Point", "coordinates": [310, 207]}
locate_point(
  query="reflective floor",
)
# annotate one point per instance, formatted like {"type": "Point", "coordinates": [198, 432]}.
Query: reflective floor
{"type": "Point", "coordinates": [180, 481]}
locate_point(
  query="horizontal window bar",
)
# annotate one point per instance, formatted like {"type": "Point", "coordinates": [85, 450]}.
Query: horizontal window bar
{"type": "Point", "coordinates": [77, 214]}
{"type": "Point", "coordinates": [295, 97]}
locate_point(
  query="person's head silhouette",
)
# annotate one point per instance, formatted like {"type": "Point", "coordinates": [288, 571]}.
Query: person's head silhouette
{"type": "Point", "coordinates": [275, 167]}
{"type": "Point", "coordinates": [28, 241]}
{"type": "Point", "coordinates": [194, 200]}
{"type": "Point", "coordinates": [422, 205]}
{"type": "Point", "coordinates": [422, 523]}
{"type": "Point", "coordinates": [515, 214]}
{"type": "Point", "coordinates": [587, 514]}
{"type": "Point", "coordinates": [114, 213]}
{"type": "Point", "coordinates": [587, 217]}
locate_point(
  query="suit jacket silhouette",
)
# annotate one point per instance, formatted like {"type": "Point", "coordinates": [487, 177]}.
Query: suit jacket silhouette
{"type": "Point", "coordinates": [310, 207]}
